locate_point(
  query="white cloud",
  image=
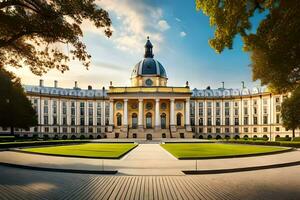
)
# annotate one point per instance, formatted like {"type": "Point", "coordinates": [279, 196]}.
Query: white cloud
{"type": "Point", "coordinates": [177, 19]}
{"type": "Point", "coordinates": [136, 21]}
{"type": "Point", "coordinates": [182, 34]}
{"type": "Point", "coordinates": [163, 25]}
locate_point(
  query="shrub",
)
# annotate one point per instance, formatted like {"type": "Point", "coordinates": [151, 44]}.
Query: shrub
{"type": "Point", "coordinates": [46, 137]}
{"type": "Point", "coordinates": [283, 139]}
{"type": "Point", "coordinates": [82, 137]}
{"type": "Point", "coordinates": [64, 137]}
{"type": "Point", "coordinates": [73, 137]}
{"type": "Point", "coordinates": [296, 139]}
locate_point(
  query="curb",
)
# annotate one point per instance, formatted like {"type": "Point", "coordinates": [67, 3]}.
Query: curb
{"type": "Point", "coordinates": [244, 169]}
{"type": "Point", "coordinates": [78, 171]}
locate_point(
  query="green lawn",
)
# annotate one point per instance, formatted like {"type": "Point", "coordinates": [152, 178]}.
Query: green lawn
{"type": "Point", "coordinates": [205, 150]}
{"type": "Point", "coordinates": [96, 150]}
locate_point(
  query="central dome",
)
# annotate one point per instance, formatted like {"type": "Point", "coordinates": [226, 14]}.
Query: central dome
{"type": "Point", "coordinates": [148, 66]}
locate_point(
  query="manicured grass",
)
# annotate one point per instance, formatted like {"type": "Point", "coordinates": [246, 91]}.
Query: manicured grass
{"type": "Point", "coordinates": [205, 150]}
{"type": "Point", "coordinates": [95, 150]}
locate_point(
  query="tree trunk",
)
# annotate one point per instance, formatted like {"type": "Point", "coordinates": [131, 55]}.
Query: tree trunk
{"type": "Point", "coordinates": [293, 133]}
{"type": "Point", "coordinates": [12, 130]}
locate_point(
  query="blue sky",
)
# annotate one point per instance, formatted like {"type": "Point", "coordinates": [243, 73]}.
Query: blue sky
{"type": "Point", "coordinates": [180, 37]}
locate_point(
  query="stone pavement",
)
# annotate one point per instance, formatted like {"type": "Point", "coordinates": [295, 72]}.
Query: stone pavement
{"type": "Point", "coordinates": [275, 184]}
{"type": "Point", "coordinates": [146, 159]}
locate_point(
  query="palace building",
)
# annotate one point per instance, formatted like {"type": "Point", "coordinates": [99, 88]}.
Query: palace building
{"type": "Point", "coordinates": [150, 109]}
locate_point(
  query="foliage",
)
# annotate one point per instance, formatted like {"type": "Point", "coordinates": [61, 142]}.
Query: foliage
{"type": "Point", "coordinates": [274, 46]}
{"type": "Point", "coordinates": [33, 32]}
{"type": "Point", "coordinates": [290, 111]}
{"type": "Point", "coordinates": [16, 110]}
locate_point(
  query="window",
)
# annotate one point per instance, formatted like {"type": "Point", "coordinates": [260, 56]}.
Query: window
{"type": "Point", "coordinates": [72, 130]}
{"type": "Point", "coordinates": [218, 130]}
{"type": "Point", "coordinates": [82, 121]}
{"type": "Point", "coordinates": [226, 104]}
{"type": "Point", "coordinates": [265, 129]}
{"type": "Point", "coordinates": [209, 130]}
{"type": "Point", "coordinates": [277, 129]}
{"type": "Point", "coordinates": [246, 130]}
{"type": "Point", "coordinates": [245, 103]}
{"type": "Point", "coordinates": [54, 120]}
{"type": "Point", "coordinates": [119, 119]}
{"type": "Point", "coordinates": [245, 120]}
{"type": "Point", "coordinates": [209, 111]}
{"type": "Point", "coordinates": [90, 130]}
{"type": "Point", "coordinates": [209, 104]}
{"type": "Point", "coordinates": [65, 130]}
{"type": "Point", "coordinates": [218, 111]}
{"type": "Point", "coordinates": [55, 130]}
{"type": "Point", "coordinates": [226, 111]}
{"type": "Point", "coordinates": [277, 100]}
{"type": "Point", "coordinates": [236, 130]}
{"type": "Point", "coordinates": [265, 110]}
{"type": "Point", "coordinates": [255, 120]}
{"type": "Point", "coordinates": [200, 104]}
{"type": "Point", "coordinates": [236, 104]}
{"type": "Point", "coordinates": [236, 121]}
{"type": "Point", "coordinates": [218, 121]}
{"type": "Point", "coordinates": [46, 120]}
{"type": "Point", "coordinates": [46, 129]}
{"type": "Point", "coordinates": [277, 118]}
{"type": "Point", "coordinates": [200, 130]}
{"type": "Point", "coordinates": [81, 108]}
{"type": "Point", "coordinates": [265, 101]}
{"type": "Point", "coordinates": [254, 130]}
{"type": "Point", "coordinates": [64, 107]}
{"type": "Point", "coordinates": [208, 121]}
{"type": "Point", "coordinates": [81, 130]}
{"type": "Point", "coordinates": [217, 104]}
{"type": "Point", "coordinates": [178, 117]}
{"type": "Point", "coordinates": [254, 110]}
{"type": "Point", "coordinates": [90, 120]}
{"type": "Point", "coordinates": [254, 102]}
{"type": "Point", "coordinates": [245, 111]}
{"type": "Point", "coordinates": [201, 121]}
{"type": "Point", "coordinates": [64, 120]}
{"type": "Point", "coordinates": [73, 121]}
{"type": "Point", "coordinates": [236, 111]}
{"type": "Point", "coordinates": [265, 119]}
{"type": "Point", "coordinates": [278, 108]}
{"type": "Point", "coordinates": [227, 130]}
{"type": "Point", "coordinates": [134, 120]}
{"type": "Point", "coordinates": [227, 121]}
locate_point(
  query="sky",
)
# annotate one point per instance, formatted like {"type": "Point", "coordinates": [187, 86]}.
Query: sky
{"type": "Point", "coordinates": [179, 35]}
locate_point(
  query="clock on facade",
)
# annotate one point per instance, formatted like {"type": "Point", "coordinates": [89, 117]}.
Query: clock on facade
{"type": "Point", "coordinates": [163, 106]}
{"type": "Point", "coordinates": [149, 82]}
{"type": "Point", "coordinates": [178, 106]}
{"type": "Point", "coordinates": [119, 106]}
{"type": "Point", "coordinates": [149, 106]}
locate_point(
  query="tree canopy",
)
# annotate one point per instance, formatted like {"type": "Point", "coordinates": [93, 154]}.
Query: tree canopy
{"type": "Point", "coordinates": [31, 29]}
{"type": "Point", "coordinates": [16, 110]}
{"type": "Point", "coordinates": [275, 45]}
{"type": "Point", "coordinates": [290, 111]}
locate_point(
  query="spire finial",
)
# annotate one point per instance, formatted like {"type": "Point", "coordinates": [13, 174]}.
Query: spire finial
{"type": "Point", "coordinates": [148, 49]}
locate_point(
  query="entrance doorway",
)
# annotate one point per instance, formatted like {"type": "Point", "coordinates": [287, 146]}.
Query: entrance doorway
{"type": "Point", "coordinates": [148, 120]}
{"type": "Point", "coordinates": [134, 120]}
{"type": "Point", "coordinates": [163, 121]}
{"type": "Point", "coordinates": [149, 137]}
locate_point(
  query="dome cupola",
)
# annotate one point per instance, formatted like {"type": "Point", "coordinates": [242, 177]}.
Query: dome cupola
{"type": "Point", "coordinates": [148, 72]}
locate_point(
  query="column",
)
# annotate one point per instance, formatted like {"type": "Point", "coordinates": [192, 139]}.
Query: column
{"type": "Point", "coordinates": [125, 113]}
{"type": "Point", "coordinates": [172, 113]}
{"type": "Point", "coordinates": [157, 114]}
{"type": "Point", "coordinates": [187, 112]}
{"type": "Point", "coordinates": [111, 112]}
{"type": "Point", "coordinates": [140, 117]}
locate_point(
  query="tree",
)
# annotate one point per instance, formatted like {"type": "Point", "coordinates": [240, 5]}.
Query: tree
{"type": "Point", "coordinates": [290, 111]}
{"type": "Point", "coordinates": [30, 31]}
{"type": "Point", "coordinates": [16, 110]}
{"type": "Point", "coordinates": [274, 47]}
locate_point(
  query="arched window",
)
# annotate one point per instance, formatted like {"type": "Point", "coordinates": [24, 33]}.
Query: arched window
{"type": "Point", "coordinates": [178, 117]}
{"type": "Point", "coordinates": [148, 120]}
{"type": "Point", "coordinates": [134, 120]}
{"type": "Point", "coordinates": [119, 119]}
{"type": "Point", "coordinates": [163, 121]}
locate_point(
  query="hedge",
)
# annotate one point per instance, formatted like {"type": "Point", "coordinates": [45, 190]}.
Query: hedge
{"type": "Point", "coordinates": [38, 143]}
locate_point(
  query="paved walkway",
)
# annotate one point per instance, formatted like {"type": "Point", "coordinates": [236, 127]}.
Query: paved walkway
{"type": "Point", "coordinates": [281, 184]}
{"type": "Point", "coordinates": [146, 159]}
